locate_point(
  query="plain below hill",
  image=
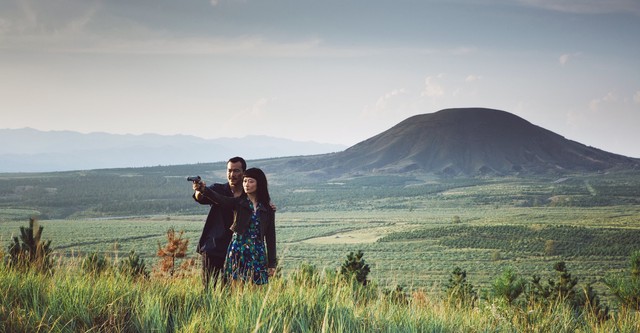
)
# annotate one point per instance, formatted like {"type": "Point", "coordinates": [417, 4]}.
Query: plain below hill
{"type": "Point", "coordinates": [466, 142]}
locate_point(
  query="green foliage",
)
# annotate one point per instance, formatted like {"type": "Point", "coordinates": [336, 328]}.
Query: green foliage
{"type": "Point", "coordinates": [563, 286]}
{"type": "Point", "coordinates": [354, 267]}
{"type": "Point", "coordinates": [306, 274]}
{"type": "Point", "coordinates": [95, 263]}
{"type": "Point", "coordinates": [592, 303]}
{"type": "Point", "coordinates": [551, 240]}
{"type": "Point", "coordinates": [134, 266]}
{"type": "Point", "coordinates": [112, 302]}
{"type": "Point", "coordinates": [118, 192]}
{"type": "Point", "coordinates": [397, 295]}
{"type": "Point", "coordinates": [626, 288]}
{"type": "Point", "coordinates": [508, 286]}
{"type": "Point", "coordinates": [460, 292]}
{"type": "Point", "coordinates": [29, 250]}
{"type": "Point", "coordinates": [560, 288]}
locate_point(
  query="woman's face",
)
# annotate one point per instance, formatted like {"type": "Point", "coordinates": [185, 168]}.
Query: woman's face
{"type": "Point", "coordinates": [250, 185]}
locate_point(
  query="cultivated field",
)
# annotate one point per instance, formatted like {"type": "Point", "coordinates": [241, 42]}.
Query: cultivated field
{"type": "Point", "coordinates": [417, 248]}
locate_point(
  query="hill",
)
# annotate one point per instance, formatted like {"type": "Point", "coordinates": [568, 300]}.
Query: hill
{"type": "Point", "coordinates": [468, 141]}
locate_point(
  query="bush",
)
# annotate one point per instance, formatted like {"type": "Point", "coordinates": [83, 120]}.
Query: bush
{"type": "Point", "coordinates": [175, 248]}
{"type": "Point", "coordinates": [29, 250]}
{"type": "Point", "coordinates": [95, 263]}
{"type": "Point", "coordinates": [355, 267]}
{"type": "Point", "coordinates": [626, 288]}
{"type": "Point", "coordinates": [459, 291]}
{"type": "Point", "coordinates": [508, 286]}
{"type": "Point", "coordinates": [134, 266]}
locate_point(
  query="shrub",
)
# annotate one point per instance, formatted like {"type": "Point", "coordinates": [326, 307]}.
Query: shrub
{"type": "Point", "coordinates": [459, 291]}
{"type": "Point", "coordinates": [176, 248]}
{"type": "Point", "coordinates": [355, 267]}
{"type": "Point", "coordinates": [508, 286]}
{"type": "Point", "coordinates": [134, 266]}
{"type": "Point", "coordinates": [626, 288]}
{"type": "Point", "coordinates": [95, 263]}
{"type": "Point", "coordinates": [29, 250]}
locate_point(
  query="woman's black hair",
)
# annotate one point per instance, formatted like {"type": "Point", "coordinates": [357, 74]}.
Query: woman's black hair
{"type": "Point", "coordinates": [262, 191]}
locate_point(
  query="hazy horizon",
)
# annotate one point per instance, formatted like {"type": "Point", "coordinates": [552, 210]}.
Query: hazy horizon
{"type": "Point", "coordinates": [334, 72]}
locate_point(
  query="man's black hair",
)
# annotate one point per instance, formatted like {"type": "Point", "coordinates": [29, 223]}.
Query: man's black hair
{"type": "Point", "coordinates": [239, 159]}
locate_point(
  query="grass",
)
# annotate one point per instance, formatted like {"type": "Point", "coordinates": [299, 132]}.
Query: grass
{"type": "Point", "coordinates": [72, 301]}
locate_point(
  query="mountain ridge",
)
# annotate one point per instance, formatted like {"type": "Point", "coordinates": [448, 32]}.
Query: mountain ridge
{"type": "Point", "coordinates": [32, 150]}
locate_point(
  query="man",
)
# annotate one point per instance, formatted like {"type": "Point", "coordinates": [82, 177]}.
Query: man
{"type": "Point", "coordinates": [216, 234]}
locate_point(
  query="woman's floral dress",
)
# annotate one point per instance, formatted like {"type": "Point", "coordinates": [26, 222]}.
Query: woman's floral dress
{"type": "Point", "coordinates": [247, 256]}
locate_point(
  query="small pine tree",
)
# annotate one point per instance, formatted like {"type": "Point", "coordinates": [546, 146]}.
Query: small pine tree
{"type": "Point", "coordinates": [626, 288]}
{"type": "Point", "coordinates": [355, 267]}
{"type": "Point", "coordinates": [508, 286]}
{"type": "Point", "coordinates": [176, 248]}
{"type": "Point", "coordinates": [95, 263]}
{"type": "Point", "coordinates": [563, 287]}
{"type": "Point", "coordinates": [134, 266]}
{"type": "Point", "coordinates": [460, 291]}
{"type": "Point", "coordinates": [29, 250]}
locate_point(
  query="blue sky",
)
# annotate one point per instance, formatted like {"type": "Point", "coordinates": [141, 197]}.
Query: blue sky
{"type": "Point", "coordinates": [325, 71]}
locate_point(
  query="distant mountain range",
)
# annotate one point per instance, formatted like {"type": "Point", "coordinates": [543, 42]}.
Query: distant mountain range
{"type": "Point", "coordinates": [450, 142]}
{"type": "Point", "coordinates": [469, 142]}
{"type": "Point", "coordinates": [30, 150]}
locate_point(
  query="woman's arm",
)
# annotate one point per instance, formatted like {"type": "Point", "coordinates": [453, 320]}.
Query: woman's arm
{"type": "Point", "coordinates": [218, 198]}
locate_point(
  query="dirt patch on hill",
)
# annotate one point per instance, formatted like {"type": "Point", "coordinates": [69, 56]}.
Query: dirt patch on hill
{"type": "Point", "coordinates": [352, 237]}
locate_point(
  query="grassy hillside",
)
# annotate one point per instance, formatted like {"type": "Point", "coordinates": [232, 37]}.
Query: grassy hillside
{"type": "Point", "coordinates": [413, 229]}
{"type": "Point", "coordinates": [163, 190]}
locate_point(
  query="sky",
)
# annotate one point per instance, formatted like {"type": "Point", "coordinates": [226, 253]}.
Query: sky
{"type": "Point", "coordinates": [329, 71]}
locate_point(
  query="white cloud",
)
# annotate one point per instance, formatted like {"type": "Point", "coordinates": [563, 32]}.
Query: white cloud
{"type": "Point", "coordinates": [432, 88]}
{"type": "Point", "coordinates": [472, 78]}
{"type": "Point", "coordinates": [595, 104]}
{"type": "Point", "coordinates": [382, 104]}
{"type": "Point", "coordinates": [214, 2]}
{"type": "Point", "coordinates": [636, 97]}
{"type": "Point", "coordinates": [565, 58]}
{"type": "Point", "coordinates": [258, 109]}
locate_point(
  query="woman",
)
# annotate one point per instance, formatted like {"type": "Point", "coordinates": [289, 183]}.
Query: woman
{"type": "Point", "coordinates": [252, 252]}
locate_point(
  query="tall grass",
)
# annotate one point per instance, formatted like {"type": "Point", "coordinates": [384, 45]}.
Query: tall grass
{"type": "Point", "coordinates": [72, 300]}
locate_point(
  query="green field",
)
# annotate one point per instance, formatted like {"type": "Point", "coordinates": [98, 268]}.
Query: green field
{"type": "Point", "coordinates": [412, 249]}
{"type": "Point", "coordinates": [413, 229]}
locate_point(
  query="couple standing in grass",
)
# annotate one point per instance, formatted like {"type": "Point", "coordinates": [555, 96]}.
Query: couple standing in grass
{"type": "Point", "coordinates": [238, 241]}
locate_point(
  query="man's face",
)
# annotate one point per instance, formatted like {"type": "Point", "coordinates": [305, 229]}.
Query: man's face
{"type": "Point", "coordinates": [234, 173]}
